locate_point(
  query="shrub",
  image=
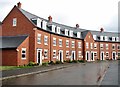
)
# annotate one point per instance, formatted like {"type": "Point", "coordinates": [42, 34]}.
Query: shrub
{"type": "Point", "coordinates": [58, 62]}
{"type": "Point", "coordinates": [45, 64]}
{"type": "Point", "coordinates": [75, 61]}
{"type": "Point", "coordinates": [81, 61]}
{"type": "Point", "coordinates": [32, 63]}
{"type": "Point", "coordinates": [51, 62]}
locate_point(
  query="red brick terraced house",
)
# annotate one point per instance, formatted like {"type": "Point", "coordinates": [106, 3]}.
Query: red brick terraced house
{"type": "Point", "coordinates": [27, 37]}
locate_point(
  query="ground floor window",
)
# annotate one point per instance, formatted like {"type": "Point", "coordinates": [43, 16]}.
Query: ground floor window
{"type": "Point", "coordinates": [79, 53]}
{"type": "Point", "coordinates": [95, 54]}
{"type": "Point", "coordinates": [54, 53]}
{"type": "Point", "coordinates": [23, 53]}
{"type": "Point", "coordinates": [107, 54]}
{"type": "Point", "coordinates": [67, 54]}
{"type": "Point", "coordinates": [45, 53]}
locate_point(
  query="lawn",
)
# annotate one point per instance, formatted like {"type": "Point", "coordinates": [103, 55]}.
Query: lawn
{"type": "Point", "coordinates": [13, 67]}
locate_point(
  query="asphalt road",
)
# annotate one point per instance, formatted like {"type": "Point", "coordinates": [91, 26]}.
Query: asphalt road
{"type": "Point", "coordinates": [80, 74]}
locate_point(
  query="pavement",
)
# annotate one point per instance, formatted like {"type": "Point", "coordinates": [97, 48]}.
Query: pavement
{"type": "Point", "coordinates": [6, 74]}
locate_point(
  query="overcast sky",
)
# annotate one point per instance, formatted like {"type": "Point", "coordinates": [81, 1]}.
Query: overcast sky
{"type": "Point", "coordinates": [89, 14]}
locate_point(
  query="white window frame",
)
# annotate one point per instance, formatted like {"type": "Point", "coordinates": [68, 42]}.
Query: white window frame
{"type": "Point", "coordinates": [87, 45]}
{"type": "Point", "coordinates": [45, 38]}
{"type": "Point", "coordinates": [117, 39]}
{"type": "Point", "coordinates": [91, 45]}
{"type": "Point", "coordinates": [101, 45]}
{"type": "Point", "coordinates": [78, 34]}
{"type": "Point", "coordinates": [39, 37]}
{"type": "Point", "coordinates": [79, 54]}
{"type": "Point", "coordinates": [114, 46]}
{"type": "Point", "coordinates": [71, 33]}
{"type": "Point", "coordinates": [108, 54]}
{"type": "Point", "coordinates": [60, 41]}
{"type": "Point", "coordinates": [23, 49]}
{"type": "Point", "coordinates": [73, 44]}
{"type": "Point", "coordinates": [113, 38]}
{"type": "Point", "coordinates": [14, 22]}
{"type": "Point", "coordinates": [95, 45]}
{"type": "Point", "coordinates": [101, 38]}
{"type": "Point", "coordinates": [39, 22]}
{"type": "Point", "coordinates": [54, 55]}
{"type": "Point", "coordinates": [94, 37]}
{"type": "Point", "coordinates": [58, 30]}
{"type": "Point", "coordinates": [54, 39]}
{"type": "Point", "coordinates": [44, 23]}
{"type": "Point", "coordinates": [67, 42]}
{"type": "Point", "coordinates": [67, 56]}
{"type": "Point", "coordinates": [107, 46]}
{"type": "Point", "coordinates": [79, 44]}
{"type": "Point", "coordinates": [106, 38]}
{"type": "Point", "coordinates": [46, 50]}
{"type": "Point", "coordinates": [53, 28]}
{"type": "Point", "coordinates": [66, 32]}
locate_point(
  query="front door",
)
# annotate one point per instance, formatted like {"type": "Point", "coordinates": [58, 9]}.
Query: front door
{"type": "Point", "coordinates": [92, 56]}
{"type": "Point", "coordinates": [39, 56]}
{"type": "Point", "coordinates": [114, 55]}
{"type": "Point", "coordinates": [73, 55]}
{"type": "Point", "coordinates": [87, 56]}
{"type": "Point", "coordinates": [61, 55]}
{"type": "Point", "coordinates": [102, 55]}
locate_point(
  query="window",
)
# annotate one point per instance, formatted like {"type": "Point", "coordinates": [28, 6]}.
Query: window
{"type": "Point", "coordinates": [39, 38]}
{"type": "Point", "coordinates": [118, 46]}
{"type": "Point", "coordinates": [60, 42]}
{"type": "Point", "coordinates": [44, 23]}
{"type": "Point", "coordinates": [54, 41]}
{"type": "Point", "coordinates": [79, 53]}
{"type": "Point", "coordinates": [39, 22]}
{"type": "Point", "coordinates": [95, 46]}
{"type": "Point", "coordinates": [106, 38]}
{"type": "Point", "coordinates": [67, 43]}
{"type": "Point", "coordinates": [95, 54]}
{"type": "Point", "coordinates": [14, 21]}
{"type": "Point", "coordinates": [107, 54]}
{"type": "Point", "coordinates": [45, 53]}
{"type": "Point", "coordinates": [67, 54]}
{"type": "Point", "coordinates": [94, 36]}
{"type": "Point", "coordinates": [71, 33]}
{"type": "Point", "coordinates": [73, 44]}
{"type": "Point", "coordinates": [58, 30]}
{"type": "Point", "coordinates": [117, 38]}
{"type": "Point", "coordinates": [45, 40]}
{"type": "Point", "coordinates": [53, 28]}
{"type": "Point", "coordinates": [101, 37]}
{"type": "Point", "coordinates": [107, 46]}
{"type": "Point", "coordinates": [101, 46]}
{"type": "Point", "coordinates": [87, 45]}
{"type": "Point", "coordinates": [113, 38]}
{"type": "Point", "coordinates": [78, 34]}
{"type": "Point", "coordinates": [54, 53]}
{"type": "Point", "coordinates": [113, 46]}
{"type": "Point", "coordinates": [91, 44]}
{"type": "Point", "coordinates": [79, 44]}
{"type": "Point", "coordinates": [66, 32]}
{"type": "Point", "coordinates": [23, 53]}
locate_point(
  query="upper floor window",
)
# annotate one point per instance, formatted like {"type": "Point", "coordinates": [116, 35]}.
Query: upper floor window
{"type": "Point", "coordinates": [113, 46]}
{"type": "Point", "coordinates": [106, 38]}
{"type": "Point", "coordinates": [101, 37]}
{"type": "Point", "coordinates": [67, 43]}
{"type": "Point", "coordinates": [23, 53]}
{"type": "Point", "coordinates": [46, 40]}
{"type": "Point", "coordinates": [39, 22]}
{"type": "Point", "coordinates": [101, 46]}
{"type": "Point", "coordinates": [94, 36]}
{"type": "Point", "coordinates": [117, 38]}
{"type": "Point", "coordinates": [66, 32]}
{"type": "Point", "coordinates": [71, 33]}
{"type": "Point", "coordinates": [87, 45]}
{"type": "Point", "coordinates": [44, 23]}
{"type": "Point", "coordinates": [79, 44]}
{"type": "Point", "coordinates": [95, 46]}
{"type": "Point", "coordinates": [14, 21]}
{"type": "Point", "coordinates": [60, 42]}
{"type": "Point", "coordinates": [73, 44]}
{"type": "Point", "coordinates": [113, 38]}
{"type": "Point", "coordinates": [107, 46]}
{"type": "Point", "coordinates": [91, 45]}
{"type": "Point", "coordinates": [54, 41]}
{"type": "Point", "coordinates": [39, 38]}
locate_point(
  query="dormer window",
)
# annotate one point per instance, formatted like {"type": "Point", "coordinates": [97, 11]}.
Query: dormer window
{"type": "Point", "coordinates": [113, 38]}
{"type": "Point", "coordinates": [53, 28]}
{"type": "Point", "coordinates": [44, 23]}
{"type": "Point", "coordinates": [101, 37]}
{"type": "Point", "coordinates": [94, 36]}
{"type": "Point", "coordinates": [106, 38]}
{"type": "Point", "coordinates": [58, 30]}
{"type": "Point", "coordinates": [71, 33]}
{"type": "Point", "coordinates": [14, 21]}
{"type": "Point", "coordinates": [78, 34]}
{"type": "Point", "coordinates": [39, 22]}
{"type": "Point", "coordinates": [66, 32]}
{"type": "Point", "coordinates": [117, 38]}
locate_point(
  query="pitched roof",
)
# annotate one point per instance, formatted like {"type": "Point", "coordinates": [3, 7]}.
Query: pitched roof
{"type": "Point", "coordinates": [11, 41]}
{"type": "Point", "coordinates": [31, 16]}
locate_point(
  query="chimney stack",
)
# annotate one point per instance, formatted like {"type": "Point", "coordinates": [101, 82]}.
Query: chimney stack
{"type": "Point", "coordinates": [50, 19]}
{"type": "Point", "coordinates": [77, 26]}
{"type": "Point", "coordinates": [101, 30]}
{"type": "Point", "coordinates": [19, 5]}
